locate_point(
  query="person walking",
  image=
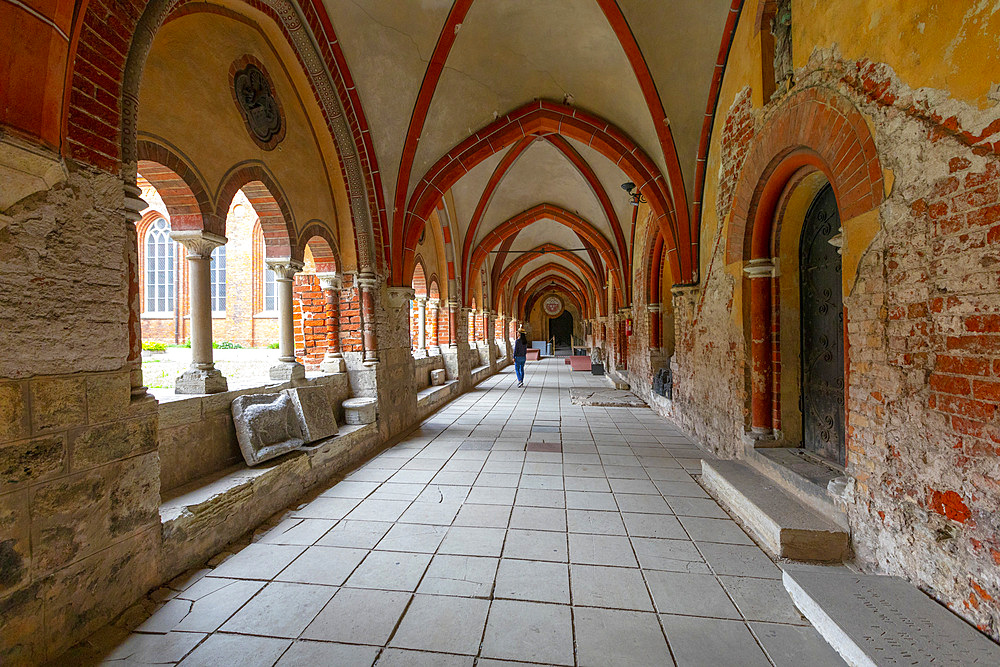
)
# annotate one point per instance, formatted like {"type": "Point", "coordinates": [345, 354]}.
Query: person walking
{"type": "Point", "coordinates": [520, 354]}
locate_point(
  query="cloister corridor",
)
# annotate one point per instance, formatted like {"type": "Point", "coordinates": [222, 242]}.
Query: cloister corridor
{"type": "Point", "coordinates": [510, 527]}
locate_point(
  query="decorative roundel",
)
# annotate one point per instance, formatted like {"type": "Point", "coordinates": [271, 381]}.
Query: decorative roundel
{"type": "Point", "coordinates": [257, 103]}
{"type": "Point", "coordinates": [553, 306]}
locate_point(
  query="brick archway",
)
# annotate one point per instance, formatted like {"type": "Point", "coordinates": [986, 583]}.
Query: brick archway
{"type": "Point", "coordinates": [179, 185]}
{"type": "Point", "coordinates": [562, 289]}
{"type": "Point", "coordinates": [268, 201]}
{"type": "Point", "coordinates": [323, 246]}
{"type": "Point", "coordinates": [528, 257]}
{"type": "Point", "coordinates": [815, 130]}
{"type": "Point", "coordinates": [548, 272]}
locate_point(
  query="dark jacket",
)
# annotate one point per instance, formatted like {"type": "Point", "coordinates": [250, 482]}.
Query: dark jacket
{"type": "Point", "coordinates": [520, 348]}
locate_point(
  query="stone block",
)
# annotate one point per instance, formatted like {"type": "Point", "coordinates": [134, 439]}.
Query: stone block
{"type": "Point", "coordinates": [359, 410]}
{"type": "Point", "coordinates": [266, 426]}
{"type": "Point", "coordinates": [195, 381]}
{"type": "Point", "coordinates": [102, 444]}
{"type": "Point", "coordinates": [15, 544]}
{"type": "Point", "coordinates": [31, 460]}
{"type": "Point", "coordinates": [58, 403]}
{"type": "Point", "coordinates": [314, 411]}
{"type": "Point", "coordinates": [108, 397]}
{"type": "Point", "coordinates": [438, 377]}
{"type": "Point", "coordinates": [14, 420]}
{"type": "Point", "coordinates": [286, 372]}
{"type": "Point", "coordinates": [184, 411]}
{"type": "Point", "coordinates": [22, 641]}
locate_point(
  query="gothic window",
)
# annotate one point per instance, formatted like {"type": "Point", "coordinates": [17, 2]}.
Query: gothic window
{"type": "Point", "coordinates": [270, 290]}
{"type": "Point", "coordinates": [160, 253]}
{"type": "Point", "coordinates": [219, 280]}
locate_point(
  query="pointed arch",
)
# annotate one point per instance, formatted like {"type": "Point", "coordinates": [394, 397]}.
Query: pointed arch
{"type": "Point", "coordinates": [323, 246]}
{"type": "Point", "coordinates": [179, 185]}
{"type": "Point", "coordinates": [268, 201]}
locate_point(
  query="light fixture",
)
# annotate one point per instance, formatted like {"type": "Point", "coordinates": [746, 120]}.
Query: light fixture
{"type": "Point", "coordinates": [635, 197]}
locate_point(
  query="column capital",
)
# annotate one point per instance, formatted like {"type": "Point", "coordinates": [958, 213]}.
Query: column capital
{"type": "Point", "coordinates": [365, 280]}
{"type": "Point", "coordinates": [399, 296]}
{"type": "Point", "coordinates": [330, 281]}
{"type": "Point", "coordinates": [759, 268]}
{"type": "Point", "coordinates": [284, 268]}
{"type": "Point", "coordinates": [198, 243]}
{"type": "Point", "coordinates": [434, 303]}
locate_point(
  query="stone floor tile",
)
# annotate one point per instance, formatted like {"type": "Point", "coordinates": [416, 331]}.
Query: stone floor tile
{"type": "Point", "coordinates": [611, 587]}
{"type": "Point", "coordinates": [370, 474]}
{"type": "Point", "coordinates": [574, 457]}
{"type": "Point", "coordinates": [413, 537]}
{"type": "Point", "coordinates": [358, 616]}
{"type": "Point", "coordinates": [711, 642]}
{"type": "Point", "coordinates": [595, 521]}
{"type": "Point", "coordinates": [684, 489]}
{"type": "Point", "coordinates": [455, 478]}
{"type": "Point", "coordinates": [791, 646]}
{"type": "Point", "coordinates": [437, 513]}
{"type": "Point", "coordinates": [302, 532]}
{"type": "Point", "coordinates": [625, 472]}
{"type": "Point", "coordinates": [670, 555]}
{"type": "Point", "coordinates": [615, 637]}
{"type": "Point", "coordinates": [426, 464]}
{"type": "Point", "coordinates": [504, 479]}
{"type": "Point", "coordinates": [236, 650]}
{"type": "Point", "coordinates": [445, 624]}
{"type": "Point", "coordinates": [538, 518]}
{"type": "Point", "coordinates": [389, 570]}
{"type": "Point", "coordinates": [541, 482]}
{"type": "Point", "coordinates": [462, 466]}
{"type": "Point", "coordinates": [629, 502]}
{"type": "Point", "coordinates": [535, 545]}
{"type": "Point", "coordinates": [323, 565]}
{"type": "Point", "coordinates": [739, 560]}
{"type": "Point", "coordinates": [633, 486]}
{"type": "Point", "coordinates": [690, 594]}
{"type": "Point", "coordinates": [601, 550]}
{"type": "Point", "coordinates": [397, 491]}
{"type": "Point", "coordinates": [280, 610]}
{"type": "Point", "coordinates": [443, 493]}
{"type": "Point", "coordinates": [599, 484]}
{"type": "Point", "coordinates": [715, 530]}
{"type": "Point", "coordinates": [350, 489]}
{"type": "Point", "coordinates": [763, 600]}
{"type": "Point", "coordinates": [531, 631]}
{"type": "Point", "coordinates": [540, 498]}
{"type": "Point", "coordinates": [471, 541]}
{"type": "Point", "coordinates": [258, 561]}
{"type": "Point", "coordinates": [507, 467]}
{"type": "Point", "coordinates": [326, 508]}
{"type": "Point", "coordinates": [536, 581]}
{"type": "Point", "coordinates": [540, 468]}
{"type": "Point", "coordinates": [589, 500]}
{"type": "Point", "coordinates": [166, 617]}
{"type": "Point", "coordinates": [355, 534]}
{"type": "Point", "coordinates": [216, 605]}
{"type": "Point", "coordinates": [395, 657]}
{"type": "Point", "coordinates": [305, 653]}
{"type": "Point", "coordinates": [143, 649]}
{"type": "Point", "coordinates": [463, 576]}
{"type": "Point", "coordinates": [669, 475]}
{"type": "Point", "coordinates": [584, 470]}
{"type": "Point", "coordinates": [653, 525]}
{"type": "Point", "coordinates": [703, 507]}
{"type": "Point", "coordinates": [484, 516]}
{"type": "Point", "coordinates": [374, 509]}
{"type": "Point", "coordinates": [413, 476]}
{"type": "Point", "coordinates": [491, 495]}
{"type": "Point", "coordinates": [615, 460]}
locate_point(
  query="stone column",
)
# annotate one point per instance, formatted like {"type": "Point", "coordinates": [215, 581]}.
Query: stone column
{"type": "Point", "coordinates": [452, 323]}
{"type": "Point", "coordinates": [655, 335]}
{"type": "Point", "coordinates": [366, 283]}
{"type": "Point", "coordinates": [760, 271]}
{"type": "Point", "coordinates": [202, 377]}
{"type": "Point", "coordinates": [287, 368]}
{"type": "Point", "coordinates": [422, 324]}
{"type": "Point", "coordinates": [134, 205]}
{"type": "Point", "coordinates": [435, 309]}
{"type": "Point", "coordinates": [333, 360]}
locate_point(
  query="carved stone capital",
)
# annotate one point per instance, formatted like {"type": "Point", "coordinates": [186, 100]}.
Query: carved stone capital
{"type": "Point", "coordinates": [285, 268]}
{"type": "Point", "coordinates": [198, 243]}
{"type": "Point", "coordinates": [759, 268]}
{"type": "Point", "coordinates": [366, 281]}
{"type": "Point", "coordinates": [330, 281]}
{"type": "Point", "coordinates": [399, 296]}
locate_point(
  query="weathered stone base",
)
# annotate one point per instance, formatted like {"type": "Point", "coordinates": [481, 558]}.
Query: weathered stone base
{"type": "Point", "coordinates": [360, 411]}
{"type": "Point", "coordinates": [198, 381]}
{"type": "Point", "coordinates": [337, 365]}
{"type": "Point", "coordinates": [287, 371]}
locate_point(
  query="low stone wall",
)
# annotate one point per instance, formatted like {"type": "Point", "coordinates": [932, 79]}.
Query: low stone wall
{"type": "Point", "coordinates": [422, 367]}
{"type": "Point", "coordinates": [196, 433]}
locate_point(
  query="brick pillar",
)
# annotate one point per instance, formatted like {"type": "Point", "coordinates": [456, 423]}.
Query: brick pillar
{"type": "Point", "coordinates": [133, 207]}
{"type": "Point", "coordinates": [760, 272]}
{"type": "Point", "coordinates": [333, 360]}
{"type": "Point", "coordinates": [366, 288]}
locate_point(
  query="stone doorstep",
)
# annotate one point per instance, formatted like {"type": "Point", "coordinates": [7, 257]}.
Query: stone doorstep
{"type": "Point", "coordinates": [878, 620]}
{"type": "Point", "coordinates": [195, 496]}
{"type": "Point", "coordinates": [786, 527]}
{"type": "Point", "coordinates": [801, 475]}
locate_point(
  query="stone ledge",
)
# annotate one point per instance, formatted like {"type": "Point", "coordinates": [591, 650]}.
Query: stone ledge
{"type": "Point", "coordinates": [786, 527]}
{"type": "Point", "coordinates": [431, 395]}
{"type": "Point", "coordinates": [201, 517]}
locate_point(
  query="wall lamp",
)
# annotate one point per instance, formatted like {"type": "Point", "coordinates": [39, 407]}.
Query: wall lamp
{"type": "Point", "coordinates": [635, 197]}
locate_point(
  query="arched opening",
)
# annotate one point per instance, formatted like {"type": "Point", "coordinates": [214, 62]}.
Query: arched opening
{"type": "Point", "coordinates": [561, 333]}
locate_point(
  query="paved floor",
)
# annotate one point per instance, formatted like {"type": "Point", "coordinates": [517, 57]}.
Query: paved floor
{"type": "Point", "coordinates": [595, 546]}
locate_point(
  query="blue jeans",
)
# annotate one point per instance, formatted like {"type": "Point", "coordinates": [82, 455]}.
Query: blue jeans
{"type": "Point", "coordinates": [519, 368]}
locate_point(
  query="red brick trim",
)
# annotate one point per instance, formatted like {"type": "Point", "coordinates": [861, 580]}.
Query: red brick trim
{"type": "Point", "coordinates": [419, 279]}
{"type": "Point", "coordinates": [544, 272]}
{"type": "Point", "coordinates": [178, 183]}
{"type": "Point", "coordinates": [814, 129]}
{"type": "Point", "coordinates": [323, 246]}
{"type": "Point", "coordinates": [268, 201]}
{"type": "Point", "coordinates": [561, 288]}
{"type": "Point", "coordinates": [526, 258]}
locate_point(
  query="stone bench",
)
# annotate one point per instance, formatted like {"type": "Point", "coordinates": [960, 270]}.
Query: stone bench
{"type": "Point", "coordinates": [359, 410]}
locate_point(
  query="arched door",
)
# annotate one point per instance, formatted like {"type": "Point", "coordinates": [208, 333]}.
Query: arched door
{"type": "Point", "coordinates": [561, 328]}
{"type": "Point", "coordinates": [822, 311]}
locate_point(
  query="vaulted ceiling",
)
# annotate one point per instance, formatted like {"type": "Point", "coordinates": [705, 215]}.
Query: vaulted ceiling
{"type": "Point", "coordinates": [451, 92]}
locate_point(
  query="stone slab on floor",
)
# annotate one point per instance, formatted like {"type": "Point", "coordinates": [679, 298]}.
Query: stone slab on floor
{"type": "Point", "coordinates": [787, 527]}
{"type": "Point", "coordinates": [877, 620]}
{"type": "Point", "coordinates": [605, 398]}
